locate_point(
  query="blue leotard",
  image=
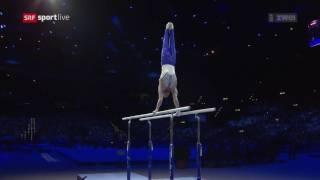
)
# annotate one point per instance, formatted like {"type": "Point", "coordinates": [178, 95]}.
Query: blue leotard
{"type": "Point", "coordinates": [168, 53]}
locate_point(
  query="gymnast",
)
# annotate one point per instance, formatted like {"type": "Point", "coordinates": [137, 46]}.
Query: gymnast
{"type": "Point", "coordinates": [168, 79]}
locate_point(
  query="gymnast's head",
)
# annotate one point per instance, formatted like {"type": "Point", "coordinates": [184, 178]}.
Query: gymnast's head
{"type": "Point", "coordinates": [166, 92]}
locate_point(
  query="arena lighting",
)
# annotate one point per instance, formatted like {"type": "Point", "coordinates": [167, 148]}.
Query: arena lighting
{"type": "Point", "coordinates": [52, 4]}
{"type": "Point", "coordinates": [314, 33]}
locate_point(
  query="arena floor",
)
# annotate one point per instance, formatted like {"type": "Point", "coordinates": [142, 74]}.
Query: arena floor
{"type": "Point", "coordinates": [46, 165]}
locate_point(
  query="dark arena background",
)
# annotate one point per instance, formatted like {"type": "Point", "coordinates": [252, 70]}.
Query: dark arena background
{"type": "Point", "coordinates": [71, 70]}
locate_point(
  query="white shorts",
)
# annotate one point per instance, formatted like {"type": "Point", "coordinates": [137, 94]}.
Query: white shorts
{"type": "Point", "coordinates": [167, 69]}
{"type": "Point", "coordinates": [168, 76]}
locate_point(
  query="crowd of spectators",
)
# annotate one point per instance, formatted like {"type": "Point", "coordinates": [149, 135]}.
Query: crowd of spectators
{"type": "Point", "coordinates": [258, 136]}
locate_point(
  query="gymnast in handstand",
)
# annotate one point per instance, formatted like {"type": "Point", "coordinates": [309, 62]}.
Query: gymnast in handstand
{"type": "Point", "coordinates": [168, 78]}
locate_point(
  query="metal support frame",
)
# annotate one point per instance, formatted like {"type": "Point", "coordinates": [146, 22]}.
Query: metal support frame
{"type": "Point", "coordinates": [171, 149]}
{"type": "Point", "coordinates": [199, 147]}
{"type": "Point", "coordinates": [150, 145]}
{"type": "Point", "coordinates": [150, 151]}
{"type": "Point", "coordinates": [128, 151]}
{"type": "Point", "coordinates": [171, 113]}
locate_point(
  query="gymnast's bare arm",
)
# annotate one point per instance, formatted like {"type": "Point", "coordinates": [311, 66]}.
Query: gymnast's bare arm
{"type": "Point", "coordinates": [160, 98]}
{"type": "Point", "coordinates": [175, 98]}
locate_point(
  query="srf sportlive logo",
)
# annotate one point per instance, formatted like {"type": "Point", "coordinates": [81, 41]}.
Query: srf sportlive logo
{"type": "Point", "coordinates": [33, 18]}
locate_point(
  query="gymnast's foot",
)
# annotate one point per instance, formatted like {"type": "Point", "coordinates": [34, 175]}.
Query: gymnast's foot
{"type": "Point", "coordinates": [169, 25]}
